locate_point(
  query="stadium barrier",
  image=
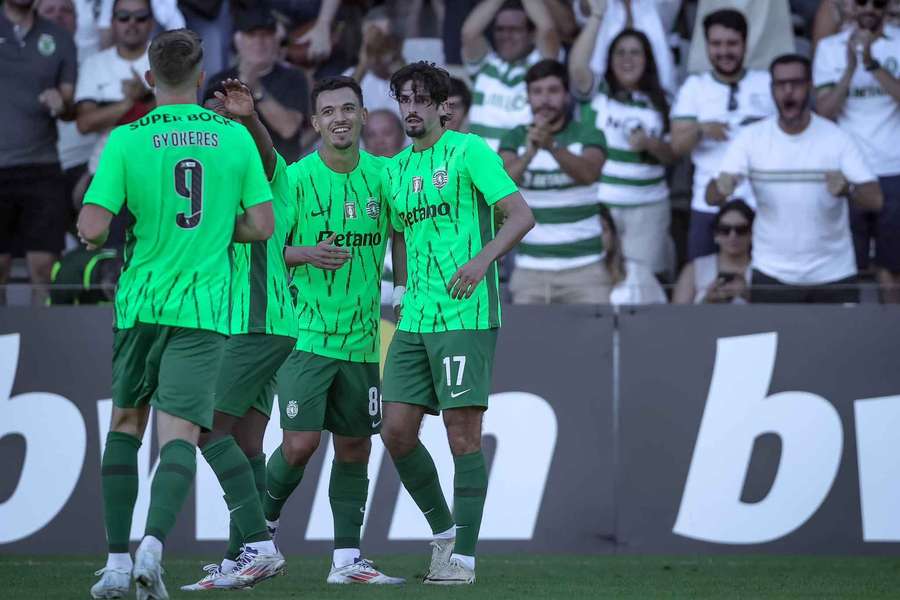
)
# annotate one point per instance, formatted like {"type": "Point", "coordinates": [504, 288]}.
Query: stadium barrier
{"type": "Point", "coordinates": [644, 430]}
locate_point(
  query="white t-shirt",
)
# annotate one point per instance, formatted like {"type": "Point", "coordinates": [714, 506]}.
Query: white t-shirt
{"type": "Point", "coordinates": [646, 18]}
{"type": "Point", "coordinates": [801, 234]}
{"type": "Point", "coordinates": [499, 97]}
{"type": "Point", "coordinates": [100, 80]}
{"type": "Point", "coordinates": [869, 113]}
{"type": "Point", "coordinates": [704, 98]}
{"type": "Point", "coordinates": [639, 287]}
{"type": "Point", "coordinates": [165, 13]}
{"type": "Point", "coordinates": [629, 178]}
{"type": "Point", "coordinates": [376, 92]}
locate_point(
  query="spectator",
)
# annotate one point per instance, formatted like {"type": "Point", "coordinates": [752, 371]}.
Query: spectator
{"type": "Point", "coordinates": [38, 80]}
{"type": "Point", "coordinates": [855, 74]}
{"type": "Point", "coordinates": [165, 14]}
{"type": "Point", "coordinates": [633, 282]}
{"type": "Point", "coordinates": [458, 104]}
{"type": "Point", "coordinates": [710, 109]}
{"type": "Point", "coordinates": [499, 102]}
{"type": "Point", "coordinates": [606, 19]}
{"type": "Point", "coordinates": [280, 92]}
{"type": "Point", "coordinates": [832, 17]}
{"type": "Point", "coordinates": [803, 168]}
{"type": "Point", "coordinates": [632, 112]}
{"type": "Point", "coordinates": [111, 88]}
{"type": "Point", "coordinates": [723, 276]}
{"type": "Point", "coordinates": [73, 147]}
{"type": "Point", "coordinates": [211, 20]}
{"type": "Point", "coordinates": [772, 33]}
{"type": "Point", "coordinates": [556, 161]}
{"type": "Point", "coordinates": [383, 133]}
{"type": "Point", "coordinates": [379, 56]}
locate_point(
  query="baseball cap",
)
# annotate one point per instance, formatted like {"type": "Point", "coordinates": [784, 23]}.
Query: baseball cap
{"type": "Point", "coordinates": [255, 18]}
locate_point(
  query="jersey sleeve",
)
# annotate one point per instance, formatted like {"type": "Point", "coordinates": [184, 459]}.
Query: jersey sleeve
{"type": "Point", "coordinates": [827, 70]}
{"type": "Point", "coordinates": [685, 106]}
{"type": "Point", "coordinates": [589, 134]}
{"type": "Point", "coordinates": [486, 170]}
{"type": "Point", "coordinates": [69, 70]}
{"type": "Point", "coordinates": [387, 189]}
{"type": "Point", "coordinates": [853, 164]}
{"type": "Point", "coordinates": [107, 188]}
{"type": "Point", "coordinates": [255, 188]}
{"type": "Point", "coordinates": [737, 155]}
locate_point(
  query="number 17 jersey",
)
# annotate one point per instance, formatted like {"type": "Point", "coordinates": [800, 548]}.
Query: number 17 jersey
{"type": "Point", "coordinates": [183, 172]}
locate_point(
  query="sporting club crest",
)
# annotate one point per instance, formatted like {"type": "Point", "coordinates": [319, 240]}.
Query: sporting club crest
{"type": "Point", "coordinates": [440, 179]}
{"type": "Point", "coordinates": [372, 208]}
{"type": "Point", "coordinates": [46, 45]}
{"type": "Point", "coordinates": [292, 409]}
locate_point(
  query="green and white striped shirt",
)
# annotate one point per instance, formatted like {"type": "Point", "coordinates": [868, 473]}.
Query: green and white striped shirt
{"type": "Point", "coordinates": [629, 178]}
{"type": "Point", "coordinates": [499, 96]}
{"type": "Point", "coordinates": [567, 227]}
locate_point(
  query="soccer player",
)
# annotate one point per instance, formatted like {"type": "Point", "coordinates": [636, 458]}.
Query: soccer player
{"type": "Point", "coordinates": [194, 183]}
{"type": "Point", "coordinates": [443, 191]}
{"type": "Point", "coordinates": [331, 380]}
{"type": "Point", "coordinates": [263, 333]}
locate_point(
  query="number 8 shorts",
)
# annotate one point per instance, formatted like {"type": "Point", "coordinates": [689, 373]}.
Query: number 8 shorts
{"type": "Point", "coordinates": [318, 393]}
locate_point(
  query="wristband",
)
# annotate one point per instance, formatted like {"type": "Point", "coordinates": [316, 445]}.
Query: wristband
{"type": "Point", "coordinates": [872, 66]}
{"type": "Point", "coordinates": [397, 296]}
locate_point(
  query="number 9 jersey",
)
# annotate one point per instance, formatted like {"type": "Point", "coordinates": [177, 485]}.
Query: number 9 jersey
{"type": "Point", "coordinates": [184, 173]}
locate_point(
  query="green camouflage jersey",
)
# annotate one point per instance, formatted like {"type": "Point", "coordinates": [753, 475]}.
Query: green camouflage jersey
{"type": "Point", "coordinates": [184, 173]}
{"type": "Point", "coordinates": [339, 311]}
{"type": "Point", "coordinates": [261, 301]}
{"type": "Point", "coordinates": [442, 200]}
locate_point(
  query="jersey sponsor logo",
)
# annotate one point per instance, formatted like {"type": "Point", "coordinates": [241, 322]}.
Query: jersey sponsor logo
{"type": "Point", "coordinates": [351, 239]}
{"type": "Point", "coordinates": [440, 178]}
{"type": "Point", "coordinates": [423, 213]}
{"type": "Point", "coordinates": [417, 184]}
{"type": "Point", "coordinates": [154, 118]}
{"type": "Point", "coordinates": [46, 44]}
{"type": "Point", "coordinates": [372, 208]}
{"type": "Point", "coordinates": [292, 409]}
{"type": "Point", "coordinates": [350, 209]}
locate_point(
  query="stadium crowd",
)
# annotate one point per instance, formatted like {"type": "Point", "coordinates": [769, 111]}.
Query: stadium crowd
{"type": "Point", "coordinates": [750, 142]}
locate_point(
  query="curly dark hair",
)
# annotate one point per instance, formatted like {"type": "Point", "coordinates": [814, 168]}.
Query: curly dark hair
{"type": "Point", "coordinates": [431, 78]}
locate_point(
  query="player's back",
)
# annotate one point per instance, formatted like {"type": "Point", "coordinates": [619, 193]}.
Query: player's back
{"type": "Point", "coordinates": [184, 173]}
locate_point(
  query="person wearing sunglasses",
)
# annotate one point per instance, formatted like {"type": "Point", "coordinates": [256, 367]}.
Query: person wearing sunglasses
{"type": "Point", "coordinates": [856, 75]}
{"type": "Point", "coordinates": [710, 109]}
{"type": "Point", "coordinates": [722, 276]}
{"type": "Point", "coordinates": [803, 170]}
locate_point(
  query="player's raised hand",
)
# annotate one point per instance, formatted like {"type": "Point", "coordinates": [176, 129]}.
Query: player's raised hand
{"type": "Point", "coordinates": [465, 280]}
{"type": "Point", "coordinates": [236, 97]}
{"type": "Point", "coordinates": [324, 255]}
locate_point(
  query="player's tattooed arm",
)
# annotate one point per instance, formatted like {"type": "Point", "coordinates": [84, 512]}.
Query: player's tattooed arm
{"type": "Point", "coordinates": [398, 263]}
{"type": "Point", "coordinates": [237, 101]}
{"type": "Point", "coordinates": [324, 255]}
{"type": "Point", "coordinates": [518, 220]}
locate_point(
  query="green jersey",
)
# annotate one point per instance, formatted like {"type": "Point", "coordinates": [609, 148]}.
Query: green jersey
{"type": "Point", "coordinates": [261, 300]}
{"type": "Point", "coordinates": [183, 172]}
{"type": "Point", "coordinates": [442, 200]}
{"type": "Point", "coordinates": [339, 311]}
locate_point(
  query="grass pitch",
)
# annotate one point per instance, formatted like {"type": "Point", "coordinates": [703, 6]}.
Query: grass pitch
{"type": "Point", "coordinates": [511, 577]}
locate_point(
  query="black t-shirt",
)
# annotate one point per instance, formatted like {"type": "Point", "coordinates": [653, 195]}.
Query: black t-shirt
{"type": "Point", "coordinates": [287, 85]}
{"type": "Point", "coordinates": [44, 59]}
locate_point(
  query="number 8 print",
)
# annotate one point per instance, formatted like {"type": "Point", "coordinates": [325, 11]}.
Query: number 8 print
{"type": "Point", "coordinates": [374, 404]}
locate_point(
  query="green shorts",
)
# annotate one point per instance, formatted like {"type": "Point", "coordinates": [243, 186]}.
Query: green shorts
{"type": "Point", "coordinates": [247, 375]}
{"type": "Point", "coordinates": [318, 393]}
{"type": "Point", "coordinates": [172, 368]}
{"type": "Point", "coordinates": [448, 369]}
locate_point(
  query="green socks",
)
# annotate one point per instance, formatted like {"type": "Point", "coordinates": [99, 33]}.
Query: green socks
{"type": "Point", "coordinates": [469, 489]}
{"type": "Point", "coordinates": [281, 480]}
{"type": "Point", "coordinates": [347, 492]}
{"type": "Point", "coordinates": [420, 478]}
{"type": "Point", "coordinates": [235, 539]}
{"type": "Point", "coordinates": [171, 484]}
{"type": "Point", "coordinates": [236, 478]}
{"type": "Point", "coordinates": [119, 481]}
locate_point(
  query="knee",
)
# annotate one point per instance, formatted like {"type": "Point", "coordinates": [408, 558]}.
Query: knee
{"type": "Point", "coordinates": [397, 440]}
{"type": "Point", "coordinates": [463, 442]}
{"type": "Point", "coordinates": [127, 421]}
{"type": "Point", "coordinates": [250, 447]}
{"type": "Point", "coordinates": [353, 450]}
{"type": "Point", "coordinates": [298, 447]}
